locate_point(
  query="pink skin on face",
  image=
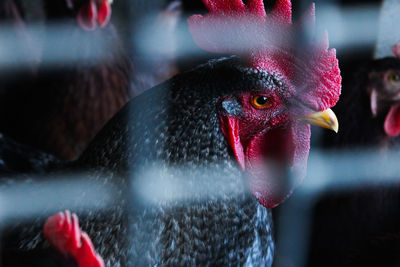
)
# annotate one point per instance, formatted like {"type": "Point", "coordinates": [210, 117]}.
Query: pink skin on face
{"type": "Point", "coordinates": [396, 50]}
{"type": "Point", "coordinates": [392, 120]}
{"type": "Point", "coordinates": [266, 144]}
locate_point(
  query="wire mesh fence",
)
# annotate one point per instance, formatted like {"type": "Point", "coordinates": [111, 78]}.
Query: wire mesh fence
{"type": "Point", "coordinates": [61, 83]}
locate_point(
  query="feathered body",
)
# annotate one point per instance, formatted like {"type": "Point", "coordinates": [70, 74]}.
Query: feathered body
{"type": "Point", "coordinates": [17, 159]}
{"type": "Point", "coordinates": [156, 130]}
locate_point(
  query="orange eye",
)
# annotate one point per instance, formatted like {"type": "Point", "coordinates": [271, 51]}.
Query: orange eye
{"type": "Point", "coordinates": [260, 101]}
{"type": "Point", "coordinates": [394, 77]}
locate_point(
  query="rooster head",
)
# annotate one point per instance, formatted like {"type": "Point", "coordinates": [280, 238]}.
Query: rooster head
{"type": "Point", "coordinates": [383, 87]}
{"type": "Point", "coordinates": [267, 124]}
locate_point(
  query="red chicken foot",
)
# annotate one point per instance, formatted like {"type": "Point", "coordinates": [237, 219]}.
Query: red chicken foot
{"type": "Point", "coordinates": [95, 13]}
{"type": "Point", "coordinates": [62, 231]}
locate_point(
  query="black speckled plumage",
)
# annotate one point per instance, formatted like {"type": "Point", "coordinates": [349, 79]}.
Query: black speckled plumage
{"type": "Point", "coordinates": [173, 130]}
{"type": "Point", "coordinates": [17, 159]}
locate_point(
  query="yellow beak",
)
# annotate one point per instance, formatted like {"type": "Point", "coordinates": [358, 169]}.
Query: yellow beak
{"type": "Point", "coordinates": [326, 119]}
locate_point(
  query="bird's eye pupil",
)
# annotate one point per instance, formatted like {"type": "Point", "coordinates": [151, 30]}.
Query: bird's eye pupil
{"type": "Point", "coordinates": [260, 101]}
{"type": "Point", "coordinates": [394, 77]}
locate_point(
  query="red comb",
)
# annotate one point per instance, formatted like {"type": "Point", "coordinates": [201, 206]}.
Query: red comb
{"type": "Point", "coordinates": [268, 42]}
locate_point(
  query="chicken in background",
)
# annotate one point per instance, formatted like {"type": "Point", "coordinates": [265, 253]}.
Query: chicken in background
{"type": "Point", "coordinates": [233, 134]}
{"type": "Point", "coordinates": [155, 48]}
{"type": "Point", "coordinates": [167, 25]}
{"type": "Point", "coordinates": [62, 107]}
{"type": "Point", "coordinates": [369, 108]}
{"type": "Point", "coordinates": [12, 14]}
{"type": "Point", "coordinates": [360, 227]}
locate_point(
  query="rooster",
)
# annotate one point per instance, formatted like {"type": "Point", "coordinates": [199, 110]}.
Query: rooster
{"type": "Point", "coordinates": [234, 136]}
{"type": "Point", "coordinates": [89, 14]}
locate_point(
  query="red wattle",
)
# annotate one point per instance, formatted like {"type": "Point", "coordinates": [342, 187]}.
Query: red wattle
{"type": "Point", "coordinates": [103, 13]}
{"type": "Point", "coordinates": [392, 121]}
{"type": "Point", "coordinates": [268, 155]}
{"type": "Point", "coordinates": [230, 129]}
{"type": "Point", "coordinates": [87, 16]}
